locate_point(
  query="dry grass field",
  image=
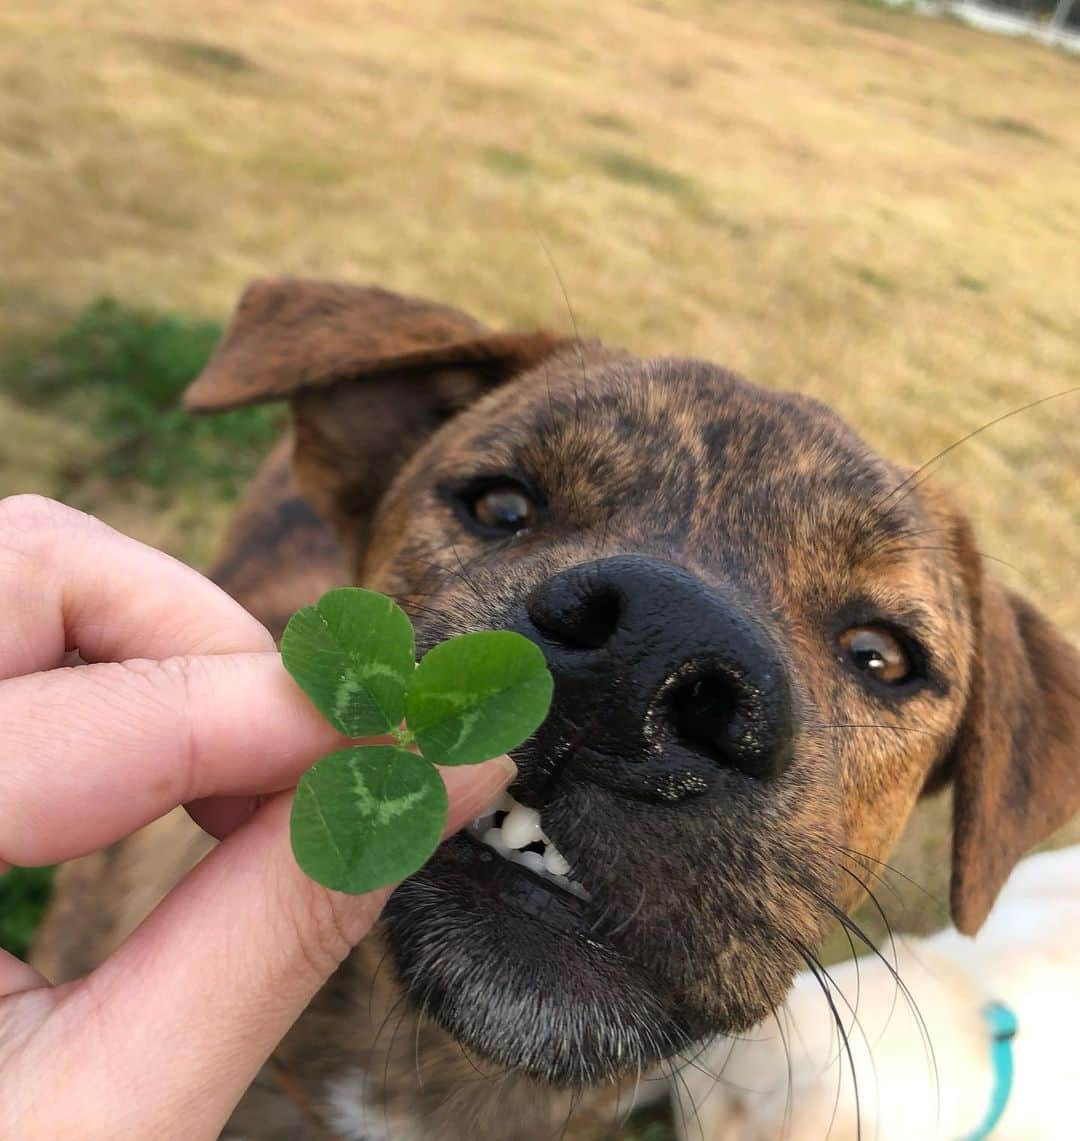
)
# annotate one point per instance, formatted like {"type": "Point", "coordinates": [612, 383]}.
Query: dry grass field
{"type": "Point", "coordinates": [863, 204]}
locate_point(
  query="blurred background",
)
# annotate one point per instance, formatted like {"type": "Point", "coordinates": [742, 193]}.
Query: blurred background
{"type": "Point", "coordinates": [852, 199]}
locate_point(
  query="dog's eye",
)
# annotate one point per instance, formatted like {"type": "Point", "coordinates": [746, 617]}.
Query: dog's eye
{"type": "Point", "coordinates": [876, 651]}
{"type": "Point", "coordinates": [502, 507]}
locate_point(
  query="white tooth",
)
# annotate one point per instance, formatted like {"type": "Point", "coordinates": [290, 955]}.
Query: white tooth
{"type": "Point", "coordinates": [521, 827]}
{"type": "Point", "coordinates": [493, 837]}
{"type": "Point", "coordinates": [531, 860]}
{"type": "Point", "coordinates": [555, 862]}
{"type": "Point", "coordinates": [504, 803]}
{"type": "Point", "coordinates": [577, 889]}
{"type": "Point", "coordinates": [482, 823]}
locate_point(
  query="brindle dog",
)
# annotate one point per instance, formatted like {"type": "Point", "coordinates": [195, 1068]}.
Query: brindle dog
{"type": "Point", "coordinates": [768, 642]}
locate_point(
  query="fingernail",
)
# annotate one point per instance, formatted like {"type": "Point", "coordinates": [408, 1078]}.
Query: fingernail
{"type": "Point", "coordinates": [507, 766]}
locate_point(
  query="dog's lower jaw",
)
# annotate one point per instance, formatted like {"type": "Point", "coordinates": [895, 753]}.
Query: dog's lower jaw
{"type": "Point", "coordinates": [364, 1062]}
{"type": "Point", "coordinates": [516, 972]}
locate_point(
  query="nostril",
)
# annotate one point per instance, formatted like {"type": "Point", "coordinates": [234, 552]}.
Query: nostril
{"type": "Point", "coordinates": [703, 711]}
{"type": "Point", "coordinates": [736, 722]}
{"type": "Point", "coordinates": [580, 619]}
{"type": "Point", "coordinates": [598, 619]}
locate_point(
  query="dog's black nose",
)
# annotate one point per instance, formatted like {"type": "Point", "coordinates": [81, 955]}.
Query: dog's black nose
{"type": "Point", "coordinates": [660, 681]}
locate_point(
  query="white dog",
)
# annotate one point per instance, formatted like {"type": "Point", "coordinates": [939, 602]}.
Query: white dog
{"type": "Point", "coordinates": [1026, 957]}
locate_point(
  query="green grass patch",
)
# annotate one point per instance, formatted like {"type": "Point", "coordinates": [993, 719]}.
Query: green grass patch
{"type": "Point", "coordinates": [634, 171]}
{"type": "Point", "coordinates": [198, 57]}
{"type": "Point", "coordinates": [875, 278]}
{"type": "Point", "coordinates": [24, 894]}
{"type": "Point", "coordinates": [505, 161]}
{"type": "Point", "coordinates": [298, 165]}
{"type": "Point", "coordinates": [609, 121]}
{"type": "Point", "coordinates": [648, 1125]}
{"type": "Point", "coordinates": [121, 371]}
{"type": "Point", "coordinates": [1019, 128]}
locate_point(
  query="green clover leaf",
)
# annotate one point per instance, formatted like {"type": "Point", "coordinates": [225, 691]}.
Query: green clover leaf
{"type": "Point", "coordinates": [352, 654]}
{"type": "Point", "coordinates": [476, 696]}
{"type": "Point", "coordinates": [368, 816]}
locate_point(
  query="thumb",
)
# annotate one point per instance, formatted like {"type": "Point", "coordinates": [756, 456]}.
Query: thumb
{"type": "Point", "coordinates": [199, 995]}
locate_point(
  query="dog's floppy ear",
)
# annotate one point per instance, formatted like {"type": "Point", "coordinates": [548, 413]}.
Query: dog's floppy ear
{"type": "Point", "coordinates": [370, 375]}
{"type": "Point", "coordinates": [1016, 759]}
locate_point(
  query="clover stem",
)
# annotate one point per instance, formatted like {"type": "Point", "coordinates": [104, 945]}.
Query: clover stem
{"type": "Point", "coordinates": [403, 737]}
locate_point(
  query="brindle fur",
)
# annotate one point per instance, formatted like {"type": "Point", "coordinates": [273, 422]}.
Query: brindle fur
{"type": "Point", "coordinates": [767, 497]}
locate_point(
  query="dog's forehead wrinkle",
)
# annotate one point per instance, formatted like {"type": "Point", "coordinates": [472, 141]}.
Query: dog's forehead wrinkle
{"type": "Point", "coordinates": [690, 429]}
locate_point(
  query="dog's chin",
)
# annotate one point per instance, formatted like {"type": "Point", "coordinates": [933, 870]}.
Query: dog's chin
{"type": "Point", "coordinates": [505, 961]}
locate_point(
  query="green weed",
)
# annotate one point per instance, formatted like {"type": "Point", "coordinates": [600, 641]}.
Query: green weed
{"type": "Point", "coordinates": [503, 160]}
{"type": "Point", "coordinates": [634, 171]}
{"type": "Point", "coordinates": [122, 371]}
{"type": "Point", "coordinates": [200, 57]}
{"type": "Point", "coordinates": [24, 893]}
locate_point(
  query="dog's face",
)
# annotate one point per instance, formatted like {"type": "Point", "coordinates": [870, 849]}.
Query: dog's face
{"type": "Point", "coordinates": [766, 641]}
{"type": "Point", "coordinates": [758, 656]}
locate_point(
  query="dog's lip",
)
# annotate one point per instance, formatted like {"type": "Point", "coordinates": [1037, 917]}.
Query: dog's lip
{"type": "Point", "coordinates": [513, 885]}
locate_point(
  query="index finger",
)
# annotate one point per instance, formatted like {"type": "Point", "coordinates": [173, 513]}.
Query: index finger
{"type": "Point", "coordinates": [68, 581]}
{"type": "Point", "coordinates": [94, 752]}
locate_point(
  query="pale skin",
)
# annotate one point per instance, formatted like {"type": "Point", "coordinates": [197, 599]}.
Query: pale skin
{"type": "Point", "coordinates": [177, 698]}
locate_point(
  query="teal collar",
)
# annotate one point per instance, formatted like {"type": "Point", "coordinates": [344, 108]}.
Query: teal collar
{"type": "Point", "coordinates": [1003, 1027]}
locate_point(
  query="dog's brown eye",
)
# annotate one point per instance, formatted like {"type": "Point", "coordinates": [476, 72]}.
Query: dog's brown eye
{"type": "Point", "coordinates": [504, 507]}
{"type": "Point", "coordinates": [877, 652]}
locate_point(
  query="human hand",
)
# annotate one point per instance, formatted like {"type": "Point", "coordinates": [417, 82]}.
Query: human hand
{"type": "Point", "coordinates": [180, 698]}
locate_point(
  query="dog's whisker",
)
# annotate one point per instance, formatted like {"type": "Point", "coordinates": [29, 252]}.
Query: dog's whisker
{"type": "Point", "coordinates": [892, 968]}
{"type": "Point", "coordinates": [898, 550]}
{"type": "Point", "coordinates": [924, 1030]}
{"type": "Point", "coordinates": [890, 887]}
{"type": "Point", "coordinates": [401, 1000]}
{"type": "Point", "coordinates": [419, 1014]}
{"type": "Point", "coordinates": [874, 725]}
{"type": "Point", "coordinates": [570, 1110]}
{"type": "Point", "coordinates": [374, 981]}
{"type": "Point", "coordinates": [855, 960]}
{"type": "Point", "coordinates": [850, 925]}
{"type": "Point", "coordinates": [578, 343]}
{"type": "Point", "coordinates": [463, 575]}
{"type": "Point", "coordinates": [894, 539]}
{"type": "Point", "coordinates": [880, 911]}
{"type": "Point", "coordinates": [638, 1072]}
{"type": "Point", "coordinates": [785, 1038]}
{"type": "Point", "coordinates": [693, 1063]}
{"type": "Point", "coordinates": [913, 1006]}
{"type": "Point", "coordinates": [877, 725]}
{"type": "Point", "coordinates": [856, 1023]}
{"type": "Point", "coordinates": [631, 917]}
{"type": "Point", "coordinates": [913, 480]}
{"type": "Point", "coordinates": [678, 1080]}
{"type": "Point", "coordinates": [823, 979]}
{"type": "Point", "coordinates": [891, 868]}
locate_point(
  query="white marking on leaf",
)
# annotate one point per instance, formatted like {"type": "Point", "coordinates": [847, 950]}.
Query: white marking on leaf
{"type": "Point", "coordinates": [383, 809]}
{"type": "Point", "coordinates": [468, 719]}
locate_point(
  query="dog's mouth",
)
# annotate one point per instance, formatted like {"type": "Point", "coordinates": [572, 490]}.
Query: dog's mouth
{"type": "Point", "coordinates": [508, 944]}
{"type": "Point", "coordinates": [513, 831]}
